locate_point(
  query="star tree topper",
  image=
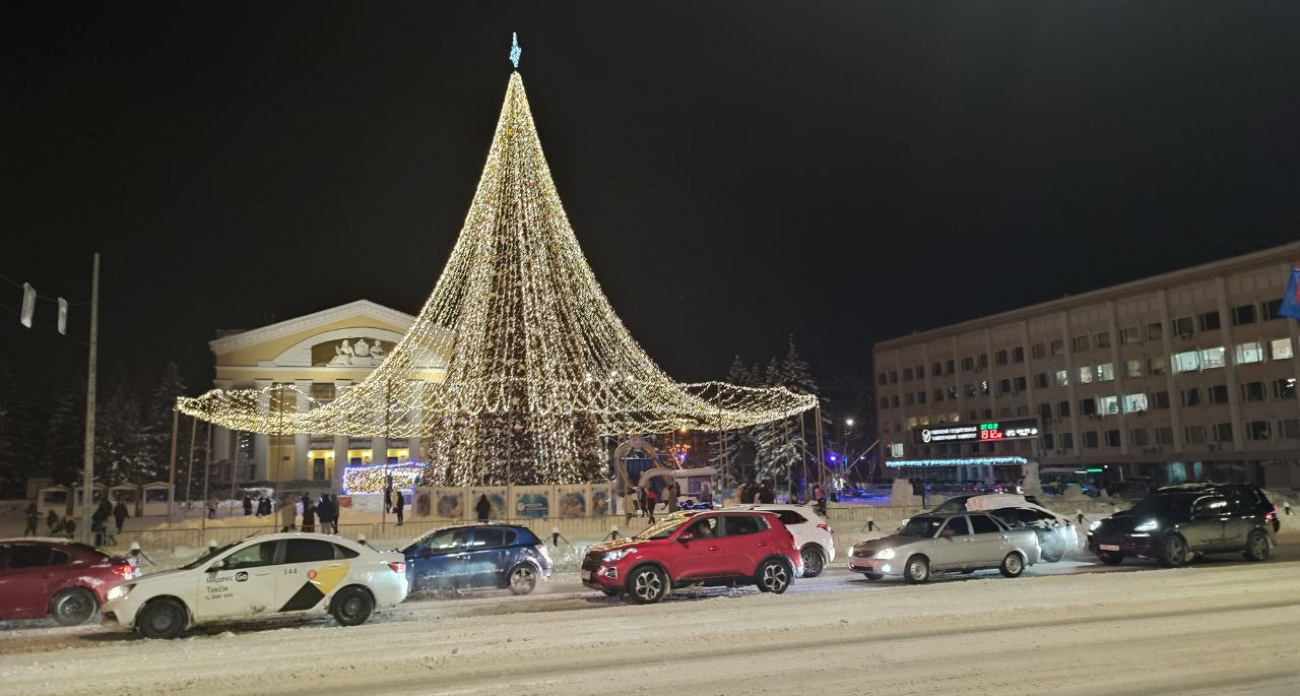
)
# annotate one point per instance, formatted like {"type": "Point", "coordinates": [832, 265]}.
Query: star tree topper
{"type": "Point", "coordinates": [515, 51]}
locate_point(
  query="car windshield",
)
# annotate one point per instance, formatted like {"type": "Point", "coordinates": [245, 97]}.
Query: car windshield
{"type": "Point", "coordinates": [662, 529]}
{"type": "Point", "coordinates": [1165, 502]}
{"type": "Point", "coordinates": [209, 556]}
{"type": "Point", "coordinates": [924, 527]}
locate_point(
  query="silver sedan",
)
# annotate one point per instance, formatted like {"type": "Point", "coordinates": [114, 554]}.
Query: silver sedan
{"type": "Point", "coordinates": [961, 542]}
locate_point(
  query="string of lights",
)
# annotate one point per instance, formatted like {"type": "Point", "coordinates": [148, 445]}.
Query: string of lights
{"type": "Point", "coordinates": [517, 359]}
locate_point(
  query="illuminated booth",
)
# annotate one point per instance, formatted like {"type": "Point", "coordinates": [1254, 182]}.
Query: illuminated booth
{"type": "Point", "coordinates": [52, 498]}
{"type": "Point", "coordinates": [156, 499]}
{"type": "Point", "coordinates": [98, 493]}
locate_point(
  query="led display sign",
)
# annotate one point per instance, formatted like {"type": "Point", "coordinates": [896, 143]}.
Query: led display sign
{"type": "Point", "coordinates": [988, 431]}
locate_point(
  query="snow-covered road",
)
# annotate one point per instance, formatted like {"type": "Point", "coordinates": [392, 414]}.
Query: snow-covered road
{"type": "Point", "coordinates": [1212, 628]}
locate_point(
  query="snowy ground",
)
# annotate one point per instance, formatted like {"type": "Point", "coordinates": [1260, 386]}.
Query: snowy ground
{"type": "Point", "coordinates": [1216, 627]}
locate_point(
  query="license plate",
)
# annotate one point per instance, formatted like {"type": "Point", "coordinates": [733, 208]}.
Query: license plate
{"type": "Point", "coordinates": [1108, 547]}
{"type": "Point", "coordinates": [586, 575]}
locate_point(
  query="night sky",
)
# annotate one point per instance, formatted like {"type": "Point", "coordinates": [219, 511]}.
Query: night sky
{"type": "Point", "coordinates": [735, 171]}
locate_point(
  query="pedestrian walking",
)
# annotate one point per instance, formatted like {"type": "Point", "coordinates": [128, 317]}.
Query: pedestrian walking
{"type": "Point", "coordinates": [483, 508]}
{"type": "Point", "coordinates": [767, 495]}
{"type": "Point", "coordinates": [264, 506]}
{"type": "Point", "coordinates": [399, 505]}
{"type": "Point", "coordinates": [1286, 506]}
{"type": "Point", "coordinates": [99, 521]}
{"type": "Point", "coordinates": [33, 519]}
{"type": "Point", "coordinates": [325, 511]}
{"type": "Point", "coordinates": [70, 526]}
{"type": "Point", "coordinates": [334, 507]}
{"type": "Point", "coordinates": [288, 516]}
{"type": "Point", "coordinates": [248, 506]}
{"type": "Point", "coordinates": [794, 493]}
{"type": "Point", "coordinates": [119, 515]}
{"type": "Point", "coordinates": [52, 523]}
{"type": "Point", "coordinates": [308, 515]}
{"type": "Point", "coordinates": [671, 491]}
{"type": "Point", "coordinates": [212, 509]}
{"type": "Point", "coordinates": [651, 502]}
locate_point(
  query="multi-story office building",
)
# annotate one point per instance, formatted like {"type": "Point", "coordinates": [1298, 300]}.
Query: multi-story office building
{"type": "Point", "coordinates": [1186, 376]}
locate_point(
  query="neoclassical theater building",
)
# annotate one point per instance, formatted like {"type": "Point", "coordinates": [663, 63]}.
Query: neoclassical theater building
{"type": "Point", "coordinates": [321, 354]}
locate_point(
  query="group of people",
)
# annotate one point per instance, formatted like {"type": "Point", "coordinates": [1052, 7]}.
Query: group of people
{"type": "Point", "coordinates": [324, 509]}
{"type": "Point", "coordinates": [648, 499]}
{"type": "Point", "coordinates": [262, 505]}
{"type": "Point", "coordinates": [67, 526]}
{"type": "Point", "coordinates": [751, 492]}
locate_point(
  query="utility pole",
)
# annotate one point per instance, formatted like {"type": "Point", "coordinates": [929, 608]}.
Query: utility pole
{"type": "Point", "coordinates": [88, 473]}
{"type": "Point", "coordinates": [189, 468]}
{"type": "Point", "coordinates": [171, 466]}
{"type": "Point", "coordinates": [821, 454]}
{"type": "Point", "coordinates": [207, 472]}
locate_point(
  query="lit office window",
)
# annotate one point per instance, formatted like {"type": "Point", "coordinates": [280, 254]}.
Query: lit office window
{"type": "Point", "coordinates": [1135, 403]}
{"type": "Point", "coordinates": [1189, 361]}
{"type": "Point", "coordinates": [1252, 352]}
{"type": "Point", "coordinates": [1282, 349]}
{"type": "Point", "coordinates": [1212, 358]}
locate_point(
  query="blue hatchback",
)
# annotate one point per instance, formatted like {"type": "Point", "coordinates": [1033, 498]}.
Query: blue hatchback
{"type": "Point", "coordinates": [471, 556]}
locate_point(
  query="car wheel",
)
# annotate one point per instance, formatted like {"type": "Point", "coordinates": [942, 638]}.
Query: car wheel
{"type": "Point", "coordinates": [774, 576]}
{"type": "Point", "coordinates": [161, 618]}
{"type": "Point", "coordinates": [73, 607]}
{"type": "Point", "coordinates": [610, 593]}
{"type": "Point", "coordinates": [813, 561]}
{"type": "Point", "coordinates": [523, 578]}
{"type": "Point", "coordinates": [917, 569]}
{"type": "Point", "coordinates": [1053, 548]}
{"type": "Point", "coordinates": [1173, 552]}
{"type": "Point", "coordinates": [352, 606]}
{"type": "Point", "coordinates": [872, 576]}
{"type": "Point", "coordinates": [1012, 566]}
{"type": "Point", "coordinates": [1257, 547]}
{"type": "Point", "coordinates": [647, 585]}
{"type": "Point", "coordinates": [1110, 557]}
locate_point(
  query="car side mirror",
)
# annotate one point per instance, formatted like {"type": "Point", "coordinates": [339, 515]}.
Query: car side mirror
{"type": "Point", "coordinates": [685, 537]}
{"type": "Point", "coordinates": [216, 566]}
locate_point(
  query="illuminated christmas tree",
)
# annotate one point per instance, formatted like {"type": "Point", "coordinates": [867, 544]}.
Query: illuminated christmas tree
{"type": "Point", "coordinates": [517, 363]}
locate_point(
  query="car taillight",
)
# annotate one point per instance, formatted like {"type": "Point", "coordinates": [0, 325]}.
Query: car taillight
{"type": "Point", "coordinates": [825, 526]}
{"type": "Point", "coordinates": [397, 566]}
{"type": "Point", "coordinates": [125, 570]}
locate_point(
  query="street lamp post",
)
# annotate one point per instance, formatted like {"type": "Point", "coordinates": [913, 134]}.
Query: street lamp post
{"type": "Point", "coordinates": [848, 427]}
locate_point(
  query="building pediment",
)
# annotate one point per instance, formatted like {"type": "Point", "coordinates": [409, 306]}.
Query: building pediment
{"type": "Point", "coordinates": [358, 334]}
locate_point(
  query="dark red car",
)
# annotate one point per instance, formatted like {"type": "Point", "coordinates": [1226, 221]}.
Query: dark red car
{"type": "Point", "coordinates": [49, 577]}
{"type": "Point", "coordinates": [696, 548]}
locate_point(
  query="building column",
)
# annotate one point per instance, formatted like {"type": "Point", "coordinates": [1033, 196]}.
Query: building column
{"type": "Point", "coordinates": [340, 443]}
{"type": "Point", "coordinates": [1230, 366]}
{"type": "Point", "coordinates": [1072, 380]}
{"type": "Point", "coordinates": [221, 436]}
{"type": "Point", "coordinates": [261, 441]}
{"type": "Point", "coordinates": [301, 441]}
{"type": "Point", "coordinates": [378, 450]}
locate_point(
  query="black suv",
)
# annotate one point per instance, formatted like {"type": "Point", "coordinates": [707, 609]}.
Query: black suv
{"type": "Point", "coordinates": [1178, 522]}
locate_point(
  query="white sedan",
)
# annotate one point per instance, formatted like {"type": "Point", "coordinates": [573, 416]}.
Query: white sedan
{"type": "Point", "coordinates": [813, 537]}
{"type": "Point", "coordinates": [273, 575]}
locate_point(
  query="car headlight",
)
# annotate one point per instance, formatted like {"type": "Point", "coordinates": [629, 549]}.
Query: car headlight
{"type": "Point", "coordinates": [118, 591]}
{"type": "Point", "coordinates": [1148, 526]}
{"type": "Point", "coordinates": [617, 554]}
{"type": "Point", "coordinates": [884, 554]}
{"type": "Point", "coordinates": [1094, 525]}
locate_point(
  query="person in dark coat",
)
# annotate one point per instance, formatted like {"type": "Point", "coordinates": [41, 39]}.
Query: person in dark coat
{"type": "Point", "coordinates": [399, 505]}
{"type": "Point", "coordinates": [119, 515]}
{"type": "Point", "coordinates": [248, 506]}
{"type": "Point", "coordinates": [483, 508]}
{"type": "Point", "coordinates": [767, 495]}
{"type": "Point", "coordinates": [334, 508]}
{"type": "Point", "coordinates": [52, 523]}
{"type": "Point", "coordinates": [99, 521]}
{"type": "Point", "coordinates": [326, 513]}
{"type": "Point", "coordinates": [33, 519]}
{"type": "Point", "coordinates": [308, 515]}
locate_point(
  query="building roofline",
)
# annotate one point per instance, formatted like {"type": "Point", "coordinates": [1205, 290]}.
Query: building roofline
{"type": "Point", "coordinates": [1286, 252]}
{"type": "Point", "coordinates": [288, 327]}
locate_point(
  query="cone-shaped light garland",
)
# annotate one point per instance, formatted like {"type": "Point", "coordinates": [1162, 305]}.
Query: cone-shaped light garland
{"type": "Point", "coordinates": [537, 364]}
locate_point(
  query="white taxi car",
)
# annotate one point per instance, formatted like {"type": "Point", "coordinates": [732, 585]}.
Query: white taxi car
{"type": "Point", "coordinates": [292, 574]}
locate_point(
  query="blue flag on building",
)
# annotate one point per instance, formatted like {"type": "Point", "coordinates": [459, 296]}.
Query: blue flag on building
{"type": "Point", "coordinates": [1291, 301]}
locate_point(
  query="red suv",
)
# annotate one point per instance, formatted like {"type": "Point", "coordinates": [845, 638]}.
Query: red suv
{"type": "Point", "coordinates": [49, 577]}
{"type": "Point", "coordinates": [696, 548]}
